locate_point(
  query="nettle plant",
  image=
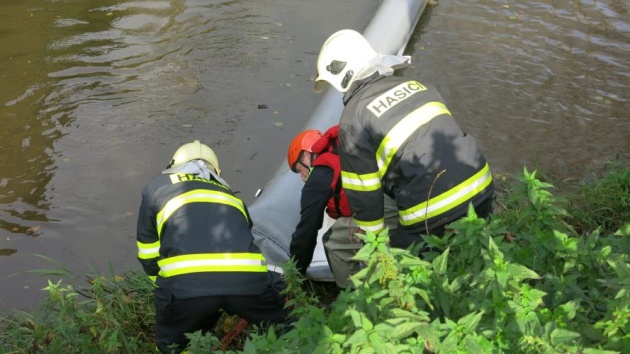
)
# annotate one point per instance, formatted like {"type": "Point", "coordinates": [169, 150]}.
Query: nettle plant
{"type": "Point", "coordinates": [524, 283]}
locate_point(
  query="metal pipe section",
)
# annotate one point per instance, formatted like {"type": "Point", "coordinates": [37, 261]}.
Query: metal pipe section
{"type": "Point", "coordinates": [276, 211]}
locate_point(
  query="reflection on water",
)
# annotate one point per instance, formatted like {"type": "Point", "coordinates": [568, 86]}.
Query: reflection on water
{"type": "Point", "coordinates": [540, 83]}
{"type": "Point", "coordinates": [62, 59]}
{"type": "Point", "coordinates": [96, 95]}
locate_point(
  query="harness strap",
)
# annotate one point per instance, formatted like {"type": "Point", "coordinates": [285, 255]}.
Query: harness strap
{"type": "Point", "coordinates": [337, 195]}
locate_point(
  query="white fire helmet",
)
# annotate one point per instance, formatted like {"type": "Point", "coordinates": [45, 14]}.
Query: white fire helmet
{"type": "Point", "coordinates": [342, 56]}
{"type": "Point", "coordinates": [195, 151]}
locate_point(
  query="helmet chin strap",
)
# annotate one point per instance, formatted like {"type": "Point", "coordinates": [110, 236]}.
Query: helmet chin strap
{"type": "Point", "coordinates": [346, 79]}
{"type": "Point", "coordinates": [311, 158]}
{"type": "Point", "coordinates": [305, 165]}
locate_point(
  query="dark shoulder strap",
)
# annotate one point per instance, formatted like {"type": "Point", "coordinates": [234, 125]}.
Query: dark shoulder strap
{"type": "Point", "coordinates": [337, 195]}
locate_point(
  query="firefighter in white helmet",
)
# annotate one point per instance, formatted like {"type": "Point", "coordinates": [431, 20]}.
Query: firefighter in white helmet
{"type": "Point", "coordinates": [397, 138]}
{"type": "Point", "coordinates": [194, 241]}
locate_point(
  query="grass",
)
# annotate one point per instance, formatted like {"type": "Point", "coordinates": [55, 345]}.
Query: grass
{"type": "Point", "coordinates": [604, 200]}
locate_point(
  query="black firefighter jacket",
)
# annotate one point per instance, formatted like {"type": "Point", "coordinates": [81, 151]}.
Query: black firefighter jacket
{"type": "Point", "coordinates": [194, 239]}
{"type": "Point", "coordinates": [397, 137]}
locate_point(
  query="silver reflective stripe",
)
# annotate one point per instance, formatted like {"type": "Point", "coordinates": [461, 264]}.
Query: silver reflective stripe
{"type": "Point", "coordinates": [373, 228]}
{"type": "Point", "coordinates": [275, 269]}
{"type": "Point", "coordinates": [149, 251]}
{"type": "Point", "coordinates": [210, 263]}
{"type": "Point", "coordinates": [363, 183]}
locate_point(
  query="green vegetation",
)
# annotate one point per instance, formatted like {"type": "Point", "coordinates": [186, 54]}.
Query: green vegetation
{"type": "Point", "coordinates": [544, 275]}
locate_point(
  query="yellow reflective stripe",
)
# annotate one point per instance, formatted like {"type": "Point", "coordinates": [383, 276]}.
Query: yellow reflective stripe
{"type": "Point", "coordinates": [148, 250]}
{"type": "Point", "coordinates": [196, 196]}
{"type": "Point", "coordinates": [403, 130]}
{"type": "Point", "coordinates": [153, 278]}
{"type": "Point", "coordinates": [449, 199]}
{"type": "Point", "coordinates": [362, 183]}
{"type": "Point", "coordinates": [212, 262]}
{"type": "Point", "coordinates": [374, 226]}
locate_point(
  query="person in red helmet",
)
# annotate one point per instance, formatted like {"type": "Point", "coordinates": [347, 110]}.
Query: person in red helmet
{"type": "Point", "coordinates": [314, 156]}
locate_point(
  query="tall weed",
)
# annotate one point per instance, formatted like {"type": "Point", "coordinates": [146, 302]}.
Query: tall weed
{"type": "Point", "coordinates": [114, 314]}
{"type": "Point", "coordinates": [531, 285]}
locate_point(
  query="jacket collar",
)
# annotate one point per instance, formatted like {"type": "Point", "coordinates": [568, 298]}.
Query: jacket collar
{"type": "Point", "coordinates": [359, 84]}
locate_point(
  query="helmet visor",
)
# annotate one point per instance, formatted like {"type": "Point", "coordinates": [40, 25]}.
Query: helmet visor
{"type": "Point", "coordinates": [321, 85]}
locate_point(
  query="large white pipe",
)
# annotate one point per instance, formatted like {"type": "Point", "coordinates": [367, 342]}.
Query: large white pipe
{"type": "Point", "coordinates": [276, 211]}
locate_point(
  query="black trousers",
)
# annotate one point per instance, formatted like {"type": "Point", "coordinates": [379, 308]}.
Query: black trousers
{"type": "Point", "coordinates": [403, 238]}
{"type": "Point", "coordinates": [174, 317]}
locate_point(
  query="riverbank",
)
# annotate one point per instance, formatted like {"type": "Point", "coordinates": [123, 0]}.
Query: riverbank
{"type": "Point", "coordinates": [548, 273]}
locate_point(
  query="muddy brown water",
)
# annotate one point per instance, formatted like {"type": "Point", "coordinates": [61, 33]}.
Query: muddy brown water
{"type": "Point", "coordinates": [97, 95]}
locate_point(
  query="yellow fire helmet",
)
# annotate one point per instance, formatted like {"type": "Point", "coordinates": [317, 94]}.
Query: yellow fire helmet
{"type": "Point", "coordinates": [195, 151]}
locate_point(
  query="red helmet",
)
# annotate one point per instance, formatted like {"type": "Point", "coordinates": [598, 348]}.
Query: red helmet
{"type": "Point", "coordinates": [302, 142]}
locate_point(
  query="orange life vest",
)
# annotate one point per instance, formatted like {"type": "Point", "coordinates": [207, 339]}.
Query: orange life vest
{"type": "Point", "coordinates": [326, 150]}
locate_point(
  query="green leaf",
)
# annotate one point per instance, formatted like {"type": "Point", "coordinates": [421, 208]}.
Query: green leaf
{"type": "Point", "coordinates": [449, 344]}
{"type": "Point", "coordinates": [367, 324]}
{"type": "Point", "coordinates": [356, 317]}
{"type": "Point", "coordinates": [562, 336]}
{"type": "Point", "coordinates": [440, 262]}
{"type": "Point", "coordinates": [471, 345]}
{"type": "Point", "coordinates": [527, 323]}
{"type": "Point", "coordinates": [370, 236]}
{"type": "Point", "coordinates": [598, 351]}
{"type": "Point", "coordinates": [376, 275]}
{"type": "Point", "coordinates": [457, 283]}
{"type": "Point", "coordinates": [359, 337]}
{"type": "Point", "coordinates": [471, 321]}
{"type": "Point", "coordinates": [425, 296]}
{"type": "Point", "coordinates": [622, 269]}
{"type": "Point", "coordinates": [404, 330]}
{"type": "Point", "coordinates": [397, 312]}
{"type": "Point", "coordinates": [379, 294]}
{"type": "Point", "coordinates": [502, 278]}
{"type": "Point", "coordinates": [364, 253]}
{"type": "Point", "coordinates": [520, 272]}
{"type": "Point", "coordinates": [379, 345]}
{"type": "Point", "coordinates": [591, 240]}
{"type": "Point", "coordinates": [623, 231]}
{"type": "Point", "coordinates": [428, 333]}
{"type": "Point", "coordinates": [49, 271]}
{"type": "Point", "coordinates": [569, 309]}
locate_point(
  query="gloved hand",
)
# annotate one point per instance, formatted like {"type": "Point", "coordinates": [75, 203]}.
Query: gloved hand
{"type": "Point", "coordinates": [277, 282]}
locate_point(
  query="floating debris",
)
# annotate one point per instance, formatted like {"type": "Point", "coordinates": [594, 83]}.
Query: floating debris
{"type": "Point", "coordinates": [7, 251]}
